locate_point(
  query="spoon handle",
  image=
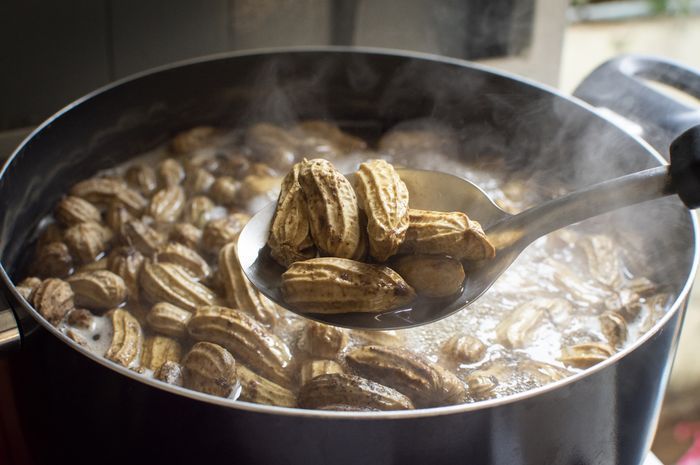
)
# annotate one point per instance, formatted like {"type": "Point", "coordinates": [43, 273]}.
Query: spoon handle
{"type": "Point", "coordinates": [682, 176]}
{"type": "Point", "coordinates": [685, 166]}
{"type": "Point", "coordinates": [581, 205]}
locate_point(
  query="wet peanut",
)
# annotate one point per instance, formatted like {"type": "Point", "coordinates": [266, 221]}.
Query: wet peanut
{"type": "Point", "coordinates": [338, 285]}
{"type": "Point", "coordinates": [430, 275]}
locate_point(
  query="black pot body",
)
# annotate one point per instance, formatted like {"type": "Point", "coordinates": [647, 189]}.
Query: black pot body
{"type": "Point", "coordinates": [74, 409]}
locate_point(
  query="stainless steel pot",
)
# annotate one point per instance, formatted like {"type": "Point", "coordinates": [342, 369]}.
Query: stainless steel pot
{"type": "Point", "coordinates": [75, 406]}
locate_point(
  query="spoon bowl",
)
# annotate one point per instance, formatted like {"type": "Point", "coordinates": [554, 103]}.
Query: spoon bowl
{"type": "Point", "coordinates": [510, 234]}
{"type": "Point", "coordinates": [427, 190]}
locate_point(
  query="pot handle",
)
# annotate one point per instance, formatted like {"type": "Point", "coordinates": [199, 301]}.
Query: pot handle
{"type": "Point", "coordinates": [9, 329]}
{"type": "Point", "coordinates": [622, 85]}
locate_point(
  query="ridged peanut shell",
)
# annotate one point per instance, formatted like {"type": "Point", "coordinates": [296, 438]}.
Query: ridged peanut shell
{"type": "Point", "coordinates": [103, 191]}
{"type": "Point", "coordinates": [73, 210]}
{"type": "Point", "coordinates": [463, 349]}
{"type": "Point", "coordinates": [192, 139]}
{"type": "Point", "coordinates": [290, 236]}
{"type": "Point", "coordinates": [384, 198]}
{"type": "Point", "coordinates": [143, 178]}
{"type": "Point", "coordinates": [180, 254]}
{"type": "Point", "coordinates": [209, 368]}
{"type": "Point", "coordinates": [127, 337]}
{"type": "Point", "coordinates": [334, 216]}
{"type": "Point", "coordinates": [127, 262]}
{"type": "Point", "coordinates": [603, 258]}
{"type": "Point", "coordinates": [217, 233]}
{"type": "Point", "coordinates": [28, 286]}
{"type": "Point", "coordinates": [248, 340]}
{"type": "Point", "coordinates": [98, 290]}
{"type": "Point", "coordinates": [255, 388]}
{"type": "Point", "coordinates": [186, 234]}
{"type": "Point", "coordinates": [240, 293]}
{"type": "Point", "coordinates": [170, 173]}
{"type": "Point", "coordinates": [586, 355]}
{"type": "Point", "coordinates": [206, 159]}
{"type": "Point", "coordinates": [117, 216]}
{"type": "Point", "coordinates": [254, 186]}
{"type": "Point", "coordinates": [425, 383]}
{"type": "Point", "coordinates": [236, 164]}
{"type": "Point", "coordinates": [76, 337]}
{"type": "Point", "coordinates": [338, 285]}
{"type": "Point", "coordinates": [53, 298]}
{"type": "Point", "coordinates": [341, 141]}
{"type": "Point", "coordinates": [142, 237]}
{"type": "Point", "coordinates": [430, 275]}
{"type": "Point", "coordinates": [314, 368]}
{"type": "Point", "coordinates": [519, 325]}
{"type": "Point", "coordinates": [272, 144]}
{"type": "Point", "coordinates": [322, 341]}
{"type": "Point", "coordinates": [81, 318]}
{"type": "Point", "coordinates": [167, 282]}
{"type": "Point", "coordinates": [167, 204]}
{"type": "Point", "coordinates": [98, 265]}
{"type": "Point", "coordinates": [614, 327]}
{"type": "Point", "coordinates": [160, 349]}
{"type": "Point", "coordinates": [53, 260]}
{"type": "Point", "coordinates": [389, 338]}
{"type": "Point", "coordinates": [348, 390]}
{"type": "Point", "coordinates": [198, 181]}
{"type": "Point", "coordinates": [168, 319]}
{"type": "Point", "coordinates": [198, 210]}
{"type": "Point", "coordinates": [224, 190]}
{"type": "Point", "coordinates": [444, 233]}
{"type": "Point", "coordinates": [87, 241]}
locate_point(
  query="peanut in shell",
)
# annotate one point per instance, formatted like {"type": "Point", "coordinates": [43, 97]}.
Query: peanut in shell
{"type": "Point", "coordinates": [339, 285]}
{"type": "Point", "coordinates": [290, 237]}
{"type": "Point", "coordinates": [240, 293]}
{"type": "Point", "coordinates": [338, 389]}
{"type": "Point", "coordinates": [255, 388]}
{"type": "Point", "coordinates": [209, 368]}
{"type": "Point", "coordinates": [384, 198]}
{"type": "Point", "coordinates": [98, 290]}
{"type": "Point", "coordinates": [127, 337]}
{"type": "Point", "coordinates": [430, 275]}
{"type": "Point", "coordinates": [334, 216]}
{"type": "Point", "coordinates": [446, 233]}
{"type": "Point", "coordinates": [168, 319]}
{"type": "Point", "coordinates": [168, 282]}
{"type": "Point", "coordinates": [425, 383]}
{"type": "Point", "coordinates": [248, 340]}
{"type": "Point", "coordinates": [53, 298]}
{"type": "Point", "coordinates": [73, 210]}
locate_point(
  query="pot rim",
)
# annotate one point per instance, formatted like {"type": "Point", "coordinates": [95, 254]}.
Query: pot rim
{"type": "Point", "coordinates": [335, 415]}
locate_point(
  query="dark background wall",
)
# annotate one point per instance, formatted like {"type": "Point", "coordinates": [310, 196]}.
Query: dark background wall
{"type": "Point", "coordinates": [52, 52]}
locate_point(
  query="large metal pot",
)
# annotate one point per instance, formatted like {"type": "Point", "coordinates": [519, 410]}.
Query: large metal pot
{"type": "Point", "coordinates": [74, 406]}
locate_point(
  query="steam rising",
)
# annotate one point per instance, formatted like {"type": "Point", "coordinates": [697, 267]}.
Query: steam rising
{"type": "Point", "coordinates": [506, 129]}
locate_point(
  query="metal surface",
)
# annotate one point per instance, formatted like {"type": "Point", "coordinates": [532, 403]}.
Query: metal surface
{"type": "Point", "coordinates": [510, 235]}
{"type": "Point", "coordinates": [623, 86]}
{"type": "Point", "coordinates": [9, 331]}
{"type": "Point", "coordinates": [77, 406]}
{"type": "Point", "coordinates": [10, 337]}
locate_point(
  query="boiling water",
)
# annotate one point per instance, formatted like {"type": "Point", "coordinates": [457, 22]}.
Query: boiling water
{"type": "Point", "coordinates": [551, 268]}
